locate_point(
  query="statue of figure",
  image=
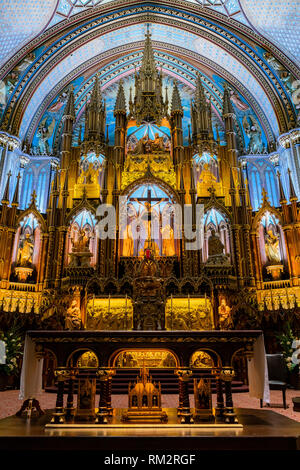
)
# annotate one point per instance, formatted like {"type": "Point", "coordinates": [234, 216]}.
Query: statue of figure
{"type": "Point", "coordinates": [128, 243]}
{"type": "Point", "coordinates": [157, 145]}
{"type": "Point", "coordinates": [206, 176]}
{"type": "Point", "coordinates": [82, 244]}
{"type": "Point", "coordinates": [253, 132]}
{"type": "Point", "coordinates": [73, 317]}
{"type": "Point", "coordinates": [168, 248]}
{"type": "Point", "coordinates": [215, 246]}
{"type": "Point", "coordinates": [225, 318]}
{"type": "Point", "coordinates": [286, 77]}
{"type": "Point", "coordinates": [272, 247]}
{"type": "Point", "coordinates": [25, 251]}
{"type": "Point", "coordinates": [44, 133]}
{"type": "Point", "coordinates": [140, 146]}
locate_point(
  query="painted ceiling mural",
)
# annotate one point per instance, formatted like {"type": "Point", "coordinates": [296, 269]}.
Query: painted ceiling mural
{"type": "Point", "coordinates": [33, 89]}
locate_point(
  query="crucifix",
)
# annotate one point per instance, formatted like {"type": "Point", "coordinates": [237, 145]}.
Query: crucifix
{"type": "Point", "coordinates": [146, 203]}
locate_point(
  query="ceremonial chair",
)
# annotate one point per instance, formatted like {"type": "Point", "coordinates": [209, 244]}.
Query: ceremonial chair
{"type": "Point", "coordinates": [277, 371]}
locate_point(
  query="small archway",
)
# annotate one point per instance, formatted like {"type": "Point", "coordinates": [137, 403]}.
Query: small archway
{"type": "Point", "coordinates": [82, 226]}
{"type": "Point", "coordinates": [215, 220]}
{"type": "Point", "coordinates": [150, 220]}
{"type": "Point", "coordinates": [26, 252]}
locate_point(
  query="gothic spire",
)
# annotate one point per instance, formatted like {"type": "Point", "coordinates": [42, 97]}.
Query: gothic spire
{"type": "Point", "coordinates": [293, 196]}
{"type": "Point", "coordinates": [5, 198]}
{"type": "Point", "coordinates": [199, 93]}
{"type": "Point", "coordinates": [176, 105]}
{"type": "Point", "coordinates": [148, 62]}
{"type": "Point", "coordinates": [120, 105]}
{"type": "Point", "coordinates": [282, 198]}
{"type": "Point", "coordinates": [15, 201]}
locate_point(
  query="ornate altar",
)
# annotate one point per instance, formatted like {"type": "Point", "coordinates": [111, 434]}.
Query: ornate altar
{"type": "Point", "coordinates": [144, 399]}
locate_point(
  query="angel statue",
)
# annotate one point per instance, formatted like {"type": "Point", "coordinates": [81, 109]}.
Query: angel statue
{"type": "Point", "coordinates": [253, 132]}
{"type": "Point", "coordinates": [44, 132]}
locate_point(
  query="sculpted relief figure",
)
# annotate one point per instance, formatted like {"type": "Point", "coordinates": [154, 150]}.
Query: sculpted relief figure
{"type": "Point", "coordinates": [272, 247]}
{"type": "Point", "coordinates": [73, 317]}
{"type": "Point", "coordinates": [225, 318]}
{"type": "Point", "coordinates": [215, 246]}
{"type": "Point", "coordinates": [25, 251]}
{"type": "Point", "coordinates": [82, 243]}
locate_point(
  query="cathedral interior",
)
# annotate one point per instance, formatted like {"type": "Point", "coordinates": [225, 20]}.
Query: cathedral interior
{"type": "Point", "coordinates": [178, 122]}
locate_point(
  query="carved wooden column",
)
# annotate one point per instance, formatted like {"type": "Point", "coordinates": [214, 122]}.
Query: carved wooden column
{"type": "Point", "coordinates": [110, 374]}
{"type": "Point", "coordinates": [227, 375]}
{"type": "Point", "coordinates": [184, 398]}
{"type": "Point", "coordinates": [70, 410]}
{"type": "Point", "coordinates": [219, 390]}
{"type": "Point", "coordinates": [62, 374]}
{"type": "Point", "coordinates": [102, 414]}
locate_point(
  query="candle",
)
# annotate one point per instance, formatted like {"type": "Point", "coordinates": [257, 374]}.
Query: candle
{"type": "Point", "coordinates": [93, 303]}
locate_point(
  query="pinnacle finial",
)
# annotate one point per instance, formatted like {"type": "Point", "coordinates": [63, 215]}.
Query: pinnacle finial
{"type": "Point", "coordinates": [33, 198]}
{"type": "Point", "coordinates": [293, 196]}
{"type": "Point", "coordinates": [120, 101]}
{"type": "Point", "coordinates": [5, 198]}
{"type": "Point", "coordinates": [176, 100]}
{"type": "Point", "coordinates": [282, 198]}
{"type": "Point", "coordinates": [15, 201]}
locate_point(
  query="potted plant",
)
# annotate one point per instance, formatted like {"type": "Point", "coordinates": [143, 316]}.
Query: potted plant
{"type": "Point", "coordinates": [287, 341]}
{"type": "Point", "coordinates": [13, 352]}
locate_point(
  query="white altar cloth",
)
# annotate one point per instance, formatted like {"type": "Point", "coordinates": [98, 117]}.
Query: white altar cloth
{"type": "Point", "coordinates": [258, 372]}
{"type": "Point", "coordinates": [32, 372]}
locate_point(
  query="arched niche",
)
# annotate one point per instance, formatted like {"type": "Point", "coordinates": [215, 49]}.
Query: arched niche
{"type": "Point", "coordinates": [204, 359]}
{"type": "Point", "coordinates": [215, 220]}
{"type": "Point", "coordinates": [148, 133]}
{"type": "Point", "coordinates": [137, 233]}
{"type": "Point", "coordinates": [149, 358]}
{"type": "Point", "coordinates": [82, 223]}
{"type": "Point", "coordinates": [26, 252]}
{"type": "Point", "coordinates": [271, 246]}
{"type": "Point", "coordinates": [203, 165]}
{"type": "Point", "coordinates": [83, 358]}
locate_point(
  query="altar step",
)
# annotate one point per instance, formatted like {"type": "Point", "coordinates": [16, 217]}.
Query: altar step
{"type": "Point", "coordinates": [166, 377]}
